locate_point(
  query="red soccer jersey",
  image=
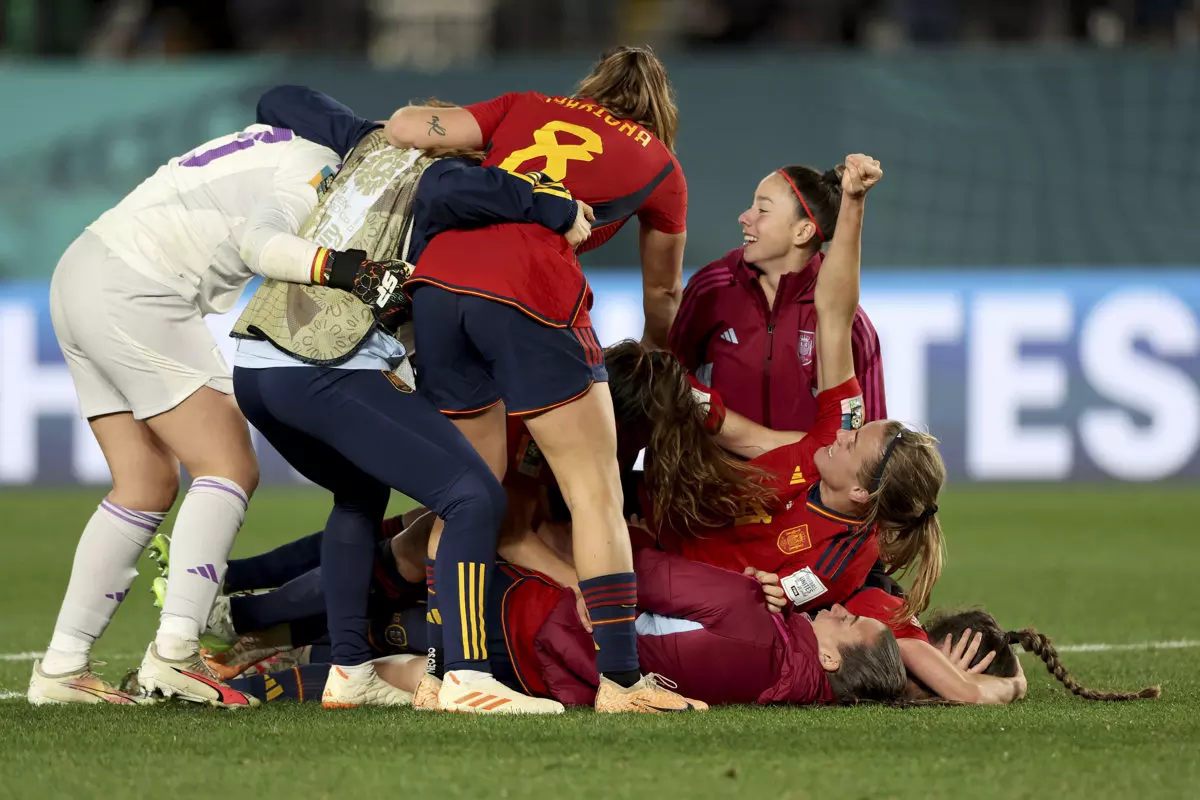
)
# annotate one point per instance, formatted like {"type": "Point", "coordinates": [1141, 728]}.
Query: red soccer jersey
{"type": "Point", "coordinates": [820, 555]}
{"type": "Point", "coordinates": [615, 166]}
{"type": "Point", "coordinates": [878, 604]}
{"type": "Point", "coordinates": [526, 464]}
{"type": "Point", "coordinates": [761, 358]}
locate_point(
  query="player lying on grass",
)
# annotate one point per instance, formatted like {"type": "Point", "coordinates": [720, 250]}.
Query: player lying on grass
{"type": "Point", "coordinates": [699, 626]}
{"type": "Point", "coordinates": [692, 479]}
{"type": "Point", "coordinates": [972, 641]}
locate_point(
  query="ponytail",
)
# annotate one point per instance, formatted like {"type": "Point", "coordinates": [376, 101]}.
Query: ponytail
{"type": "Point", "coordinates": [903, 509]}
{"type": "Point", "coordinates": [1040, 645]}
{"type": "Point", "coordinates": [1004, 665]}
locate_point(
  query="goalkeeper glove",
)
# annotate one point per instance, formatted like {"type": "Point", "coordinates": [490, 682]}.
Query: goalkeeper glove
{"type": "Point", "coordinates": [379, 284]}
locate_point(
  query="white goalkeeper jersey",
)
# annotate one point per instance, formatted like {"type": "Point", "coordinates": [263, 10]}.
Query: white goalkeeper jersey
{"type": "Point", "coordinates": [201, 223]}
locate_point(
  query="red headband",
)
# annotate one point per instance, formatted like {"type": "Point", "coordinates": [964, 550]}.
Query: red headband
{"type": "Point", "coordinates": [800, 197]}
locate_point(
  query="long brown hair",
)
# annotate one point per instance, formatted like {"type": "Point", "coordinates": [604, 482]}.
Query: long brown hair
{"type": "Point", "coordinates": [905, 483]}
{"type": "Point", "coordinates": [693, 482]}
{"type": "Point", "coordinates": [632, 83]}
{"type": "Point", "coordinates": [1004, 665]}
{"type": "Point", "coordinates": [869, 673]}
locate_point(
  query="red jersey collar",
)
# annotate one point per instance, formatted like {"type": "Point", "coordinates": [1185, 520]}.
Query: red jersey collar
{"type": "Point", "coordinates": [814, 504]}
{"type": "Point", "coordinates": [793, 285]}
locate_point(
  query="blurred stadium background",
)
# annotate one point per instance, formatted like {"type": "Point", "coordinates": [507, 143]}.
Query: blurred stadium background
{"type": "Point", "coordinates": [1032, 263]}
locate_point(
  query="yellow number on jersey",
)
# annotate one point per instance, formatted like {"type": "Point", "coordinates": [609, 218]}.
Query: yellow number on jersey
{"type": "Point", "coordinates": [547, 146]}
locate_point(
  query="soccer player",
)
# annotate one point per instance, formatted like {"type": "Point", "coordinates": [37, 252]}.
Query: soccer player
{"type": "Point", "coordinates": [847, 491]}
{"type": "Point", "coordinates": [127, 301]}
{"type": "Point", "coordinates": [747, 323]}
{"type": "Point", "coordinates": [352, 422]}
{"type": "Point", "coordinates": [699, 626]}
{"type": "Point", "coordinates": [502, 323]}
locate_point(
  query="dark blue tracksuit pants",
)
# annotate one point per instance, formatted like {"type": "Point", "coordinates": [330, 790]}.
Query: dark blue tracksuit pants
{"type": "Point", "coordinates": [356, 434]}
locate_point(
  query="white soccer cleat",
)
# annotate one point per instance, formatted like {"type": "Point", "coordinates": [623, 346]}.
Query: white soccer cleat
{"type": "Point", "coordinates": [188, 679]}
{"type": "Point", "coordinates": [76, 687]}
{"type": "Point", "coordinates": [486, 695]}
{"type": "Point", "coordinates": [361, 688]}
{"type": "Point", "coordinates": [220, 621]}
{"type": "Point", "coordinates": [426, 696]}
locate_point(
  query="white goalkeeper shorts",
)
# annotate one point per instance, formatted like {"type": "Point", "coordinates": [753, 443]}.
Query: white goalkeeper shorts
{"type": "Point", "coordinates": [131, 344]}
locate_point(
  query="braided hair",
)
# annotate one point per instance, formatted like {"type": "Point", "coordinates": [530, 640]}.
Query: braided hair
{"type": "Point", "coordinates": [995, 638]}
{"type": "Point", "coordinates": [1033, 641]}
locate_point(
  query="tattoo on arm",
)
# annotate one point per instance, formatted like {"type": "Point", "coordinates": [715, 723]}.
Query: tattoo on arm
{"type": "Point", "coordinates": [436, 127]}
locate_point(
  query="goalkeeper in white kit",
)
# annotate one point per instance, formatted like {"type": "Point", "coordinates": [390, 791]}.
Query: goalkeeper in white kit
{"type": "Point", "coordinates": [127, 301]}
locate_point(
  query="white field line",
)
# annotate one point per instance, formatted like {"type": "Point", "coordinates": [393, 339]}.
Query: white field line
{"type": "Point", "coordinates": [1176, 644]}
{"type": "Point", "coordinates": [1093, 647]}
{"type": "Point", "coordinates": [33, 655]}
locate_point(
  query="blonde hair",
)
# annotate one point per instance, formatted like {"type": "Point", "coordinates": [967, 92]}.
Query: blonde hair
{"type": "Point", "coordinates": [632, 83]}
{"type": "Point", "coordinates": [905, 483]}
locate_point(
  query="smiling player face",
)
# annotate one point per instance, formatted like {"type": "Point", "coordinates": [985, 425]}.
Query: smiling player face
{"type": "Point", "coordinates": [841, 462]}
{"type": "Point", "coordinates": [771, 227]}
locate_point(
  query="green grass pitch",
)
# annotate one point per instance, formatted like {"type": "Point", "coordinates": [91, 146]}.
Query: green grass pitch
{"type": "Point", "coordinates": [1111, 565]}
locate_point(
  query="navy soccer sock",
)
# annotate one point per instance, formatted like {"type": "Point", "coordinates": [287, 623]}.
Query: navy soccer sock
{"type": "Point", "coordinates": [298, 598]}
{"type": "Point", "coordinates": [612, 604]}
{"type": "Point", "coordinates": [347, 560]}
{"type": "Point", "coordinates": [274, 567]}
{"type": "Point", "coordinates": [301, 684]}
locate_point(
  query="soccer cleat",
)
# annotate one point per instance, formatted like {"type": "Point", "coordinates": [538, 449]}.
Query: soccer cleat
{"type": "Point", "coordinates": [362, 688]}
{"type": "Point", "coordinates": [158, 588]}
{"type": "Point", "coordinates": [188, 679]}
{"type": "Point", "coordinates": [651, 695]}
{"type": "Point", "coordinates": [220, 623]}
{"type": "Point", "coordinates": [159, 551]}
{"type": "Point", "coordinates": [426, 696]}
{"type": "Point", "coordinates": [272, 660]}
{"type": "Point", "coordinates": [486, 695]}
{"type": "Point", "coordinates": [76, 687]}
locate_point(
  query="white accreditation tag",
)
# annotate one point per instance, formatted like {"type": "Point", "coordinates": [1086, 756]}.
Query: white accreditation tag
{"type": "Point", "coordinates": [802, 586]}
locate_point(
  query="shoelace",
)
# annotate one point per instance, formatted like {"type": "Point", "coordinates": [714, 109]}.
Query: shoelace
{"type": "Point", "coordinates": [659, 681]}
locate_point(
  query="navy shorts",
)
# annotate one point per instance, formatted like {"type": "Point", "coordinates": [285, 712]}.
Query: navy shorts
{"type": "Point", "coordinates": [473, 352]}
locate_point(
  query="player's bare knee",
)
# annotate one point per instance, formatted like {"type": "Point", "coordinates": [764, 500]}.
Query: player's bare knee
{"type": "Point", "coordinates": [242, 471]}
{"type": "Point", "coordinates": [152, 490]}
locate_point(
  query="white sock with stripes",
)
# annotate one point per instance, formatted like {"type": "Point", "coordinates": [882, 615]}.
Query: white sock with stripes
{"type": "Point", "coordinates": [208, 521]}
{"type": "Point", "coordinates": [104, 568]}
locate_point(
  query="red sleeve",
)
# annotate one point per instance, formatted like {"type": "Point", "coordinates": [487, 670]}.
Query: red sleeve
{"type": "Point", "coordinates": [837, 408]}
{"type": "Point", "coordinates": [878, 604]}
{"type": "Point", "coordinates": [868, 367]}
{"type": "Point", "coordinates": [489, 113]}
{"type": "Point", "coordinates": [666, 208]}
{"type": "Point", "coordinates": [692, 321]}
